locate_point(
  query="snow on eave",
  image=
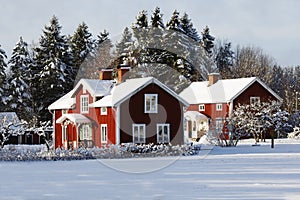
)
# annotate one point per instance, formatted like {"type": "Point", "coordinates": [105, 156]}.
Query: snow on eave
{"type": "Point", "coordinates": [104, 102]}
{"type": "Point", "coordinates": [65, 102]}
{"type": "Point", "coordinates": [73, 117]}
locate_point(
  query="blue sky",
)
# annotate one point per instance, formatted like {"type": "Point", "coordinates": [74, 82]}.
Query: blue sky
{"type": "Point", "coordinates": [272, 25]}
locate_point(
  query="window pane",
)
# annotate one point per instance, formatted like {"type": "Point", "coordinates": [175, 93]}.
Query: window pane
{"type": "Point", "coordinates": [142, 136]}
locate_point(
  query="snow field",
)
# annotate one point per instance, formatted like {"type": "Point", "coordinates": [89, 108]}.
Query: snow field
{"type": "Point", "coordinates": [242, 172]}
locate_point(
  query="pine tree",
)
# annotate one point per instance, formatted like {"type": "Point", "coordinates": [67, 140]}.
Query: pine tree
{"type": "Point", "coordinates": [81, 45]}
{"type": "Point", "coordinates": [156, 19]}
{"type": "Point", "coordinates": [3, 84]}
{"type": "Point", "coordinates": [207, 41]}
{"type": "Point", "coordinates": [140, 29]}
{"type": "Point", "coordinates": [55, 72]}
{"type": "Point", "coordinates": [19, 94]}
{"type": "Point", "coordinates": [188, 28]}
{"type": "Point", "coordinates": [224, 60]}
{"type": "Point", "coordinates": [103, 36]}
{"type": "Point", "coordinates": [156, 30]}
{"type": "Point", "coordinates": [125, 47]}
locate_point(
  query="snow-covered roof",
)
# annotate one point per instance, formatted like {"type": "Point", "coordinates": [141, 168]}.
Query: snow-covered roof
{"type": "Point", "coordinates": [221, 92]}
{"type": "Point", "coordinates": [75, 118]}
{"type": "Point", "coordinates": [123, 91]}
{"type": "Point", "coordinates": [8, 117]}
{"type": "Point", "coordinates": [194, 115]}
{"type": "Point", "coordinates": [113, 94]}
{"type": "Point", "coordinates": [96, 87]}
{"type": "Point", "coordinates": [65, 102]}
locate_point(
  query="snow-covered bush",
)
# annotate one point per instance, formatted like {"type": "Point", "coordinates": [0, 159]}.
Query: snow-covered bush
{"type": "Point", "coordinates": [255, 119]}
{"type": "Point", "coordinates": [295, 134]}
{"type": "Point", "coordinates": [41, 153]}
{"type": "Point", "coordinates": [10, 125]}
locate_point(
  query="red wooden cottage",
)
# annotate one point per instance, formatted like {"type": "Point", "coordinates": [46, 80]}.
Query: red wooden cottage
{"type": "Point", "coordinates": [103, 112]}
{"type": "Point", "coordinates": [213, 100]}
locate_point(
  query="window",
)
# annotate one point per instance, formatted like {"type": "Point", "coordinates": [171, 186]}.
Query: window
{"type": "Point", "coordinates": [150, 103]}
{"type": "Point", "coordinates": [201, 107]}
{"type": "Point", "coordinates": [85, 132]}
{"type": "Point", "coordinates": [139, 133]}
{"type": "Point", "coordinates": [219, 124]}
{"type": "Point", "coordinates": [254, 100]}
{"type": "Point", "coordinates": [65, 111]}
{"type": "Point", "coordinates": [163, 133]}
{"type": "Point", "coordinates": [103, 133]}
{"type": "Point", "coordinates": [194, 125]}
{"type": "Point", "coordinates": [103, 111]}
{"type": "Point", "coordinates": [84, 103]}
{"type": "Point", "coordinates": [64, 133]}
{"type": "Point", "coordinates": [219, 107]}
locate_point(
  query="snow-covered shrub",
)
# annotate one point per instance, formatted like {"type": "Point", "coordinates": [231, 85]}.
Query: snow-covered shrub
{"type": "Point", "coordinates": [41, 152]}
{"type": "Point", "coordinates": [295, 134]}
{"type": "Point", "coordinates": [255, 119]}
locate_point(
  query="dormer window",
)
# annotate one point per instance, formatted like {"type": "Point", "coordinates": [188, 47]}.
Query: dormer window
{"type": "Point", "coordinates": [84, 104]}
{"type": "Point", "coordinates": [150, 103]}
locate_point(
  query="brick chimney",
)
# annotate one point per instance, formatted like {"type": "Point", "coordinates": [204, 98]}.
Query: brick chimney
{"type": "Point", "coordinates": [123, 73]}
{"type": "Point", "coordinates": [106, 74]}
{"type": "Point", "coordinates": [213, 78]}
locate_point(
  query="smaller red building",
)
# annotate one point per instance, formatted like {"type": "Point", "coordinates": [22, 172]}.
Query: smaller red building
{"type": "Point", "coordinates": [217, 98]}
{"type": "Point", "coordinates": [104, 112]}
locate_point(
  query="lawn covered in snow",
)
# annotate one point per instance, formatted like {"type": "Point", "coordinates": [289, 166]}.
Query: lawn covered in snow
{"type": "Point", "coordinates": [242, 172]}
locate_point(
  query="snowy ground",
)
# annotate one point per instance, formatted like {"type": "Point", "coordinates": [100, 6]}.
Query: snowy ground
{"type": "Point", "coordinates": [242, 172]}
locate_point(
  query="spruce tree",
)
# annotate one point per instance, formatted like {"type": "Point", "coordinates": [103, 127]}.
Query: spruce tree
{"type": "Point", "coordinates": [156, 32]}
{"type": "Point", "coordinates": [140, 31]}
{"type": "Point", "coordinates": [18, 89]}
{"type": "Point", "coordinates": [207, 41]}
{"type": "Point", "coordinates": [224, 60]}
{"type": "Point", "coordinates": [103, 36]}
{"type": "Point", "coordinates": [3, 84]}
{"type": "Point", "coordinates": [53, 61]}
{"type": "Point", "coordinates": [125, 47]}
{"type": "Point", "coordinates": [156, 19]}
{"type": "Point", "coordinates": [81, 45]}
{"type": "Point", "coordinates": [188, 28]}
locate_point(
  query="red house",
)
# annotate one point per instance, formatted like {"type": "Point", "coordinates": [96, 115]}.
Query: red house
{"type": "Point", "coordinates": [215, 99]}
{"type": "Point", "coordinates": [103, 112]}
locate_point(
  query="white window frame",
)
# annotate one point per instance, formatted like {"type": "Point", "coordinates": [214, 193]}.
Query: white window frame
{"type": "Point", "coordinates": [161, 139]}
{"type": "Point", "coordinates": [254, 100]}
{"type": "Point", "coordinates": [219, 107]}
{"type": "Point", "coordinates": [104, 135]}
{"type": "Point", "coordinates": [219, 124]}
{"type": "Point", "coordinates": [141, 137]}
{"type": "Point", "coordinates": [103, 112]}
{"type": "Point", "coordinates": [201, 107]}
{"type": "Point", "coordinates": [152, 105]}
{"type": "Point", "coordinates": [85, 131]}
{"type": "Point", "coordinates": [84, 104]}
{"type": "Point", "coordinates": [63, 133]}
